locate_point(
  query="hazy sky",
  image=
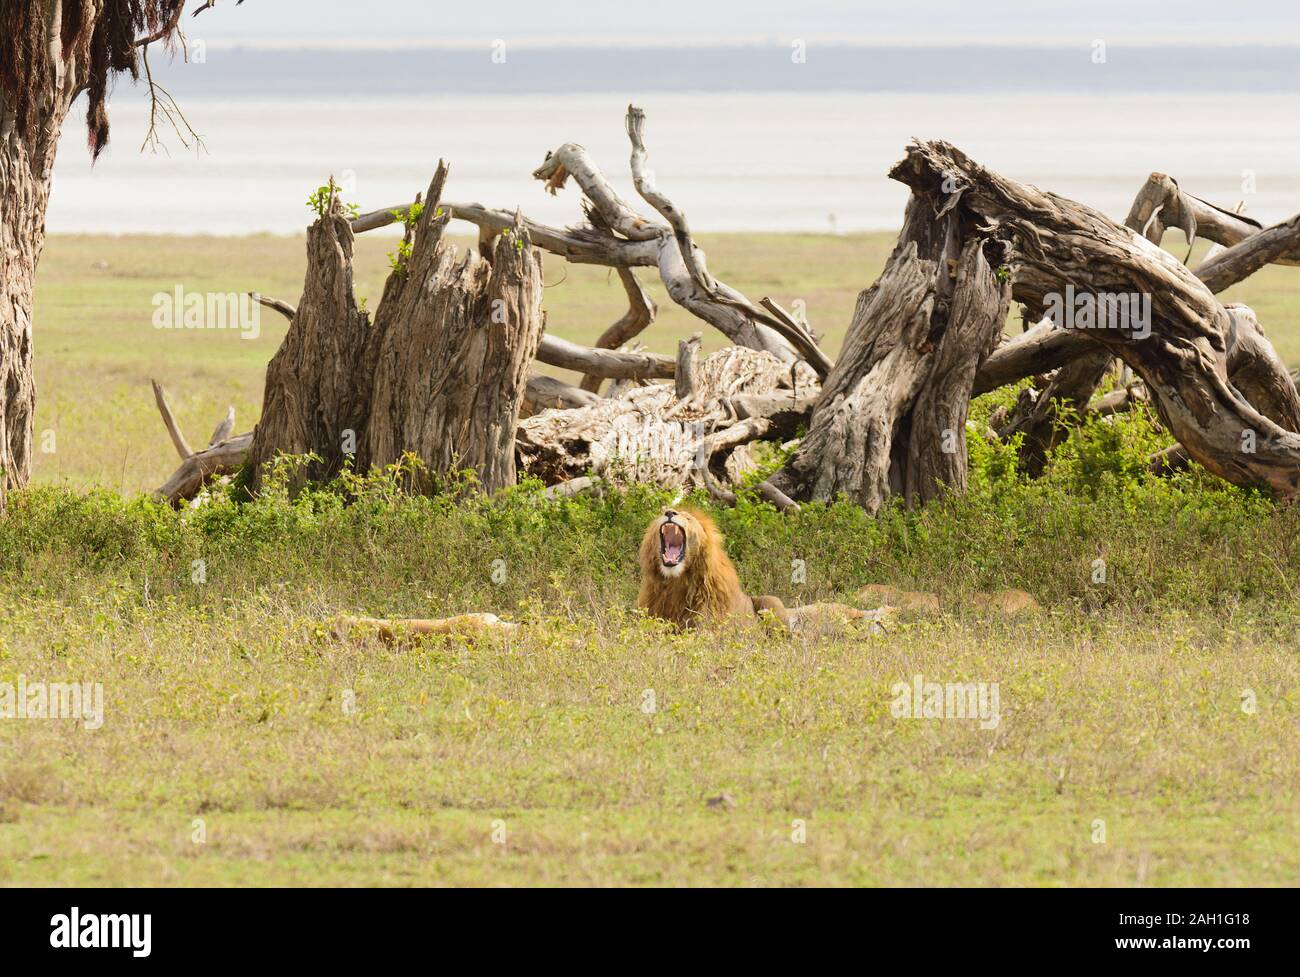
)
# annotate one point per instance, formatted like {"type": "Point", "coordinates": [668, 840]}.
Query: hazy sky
{"type": "Point", "coordinates": [1063, 22]}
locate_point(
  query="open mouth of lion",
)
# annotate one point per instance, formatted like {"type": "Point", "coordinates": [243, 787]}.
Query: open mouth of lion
{"type": "Point", "coordinates": [672, 544]}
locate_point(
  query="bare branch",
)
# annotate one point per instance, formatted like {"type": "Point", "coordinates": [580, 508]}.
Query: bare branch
{"type": "Point", "coordinates": [640, 313]}
{"type": "Point", "coordinates": [169, 421]}
{"type": "Point", "coordinates": [688, 355]}
{"type": "Point", "coordinates": [604, 363]}
{"type": "Point", "coordinates": [284, 308]}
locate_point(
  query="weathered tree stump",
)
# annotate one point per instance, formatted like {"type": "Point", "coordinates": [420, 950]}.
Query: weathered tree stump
{"type": "Point", "coordinates": [318, 384]}
{"type": "Point", "coordinates": [454, 357]}
{"type": "Point", "coordinates": [440, 373]}
{"type": "Point", "coordinates": [892, 415]}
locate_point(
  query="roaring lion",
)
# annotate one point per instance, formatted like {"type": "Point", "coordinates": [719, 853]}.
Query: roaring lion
{"type": "Point", "coordinates": [688, 579]}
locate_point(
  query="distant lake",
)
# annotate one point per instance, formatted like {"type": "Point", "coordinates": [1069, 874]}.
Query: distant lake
{"type": "Point", "coordinates": [771, 145]}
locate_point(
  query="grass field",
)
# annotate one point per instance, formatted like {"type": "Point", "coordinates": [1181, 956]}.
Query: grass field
{"type": "Point", "coordinates": [1147, 728]}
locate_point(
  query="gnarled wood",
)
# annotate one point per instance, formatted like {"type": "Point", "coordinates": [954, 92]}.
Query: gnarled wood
{"type": "Point", "coordinates": [648, 435]}
{"type": "Point", "coordinates": [1161, 204]}
{"type": "Point", "coordinates": [1184, 358]}
{"type": "Point", "coordinates": [934, 313]}
{"type": "Point", "coordinates": [1279, 243]}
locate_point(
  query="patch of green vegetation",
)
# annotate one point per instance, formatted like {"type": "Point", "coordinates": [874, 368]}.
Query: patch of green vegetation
{"type": "Point", "coordinates": [320, 198]}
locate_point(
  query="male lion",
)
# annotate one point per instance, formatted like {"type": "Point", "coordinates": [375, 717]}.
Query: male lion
{"type": "Point", "coordinates": [688, 579]}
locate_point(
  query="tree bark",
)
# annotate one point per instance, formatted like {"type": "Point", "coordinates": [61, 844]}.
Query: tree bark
{"type": "Point", "coordinates": [441, 373]}
{"type": "Point", "coordinates": [24, 192]}
{"type": "Point", "coordinates": [454, 362]}
{"type": "Point", "coordinates": [26, 165]}
{"type": "Point", "coordinates": [892, 415]}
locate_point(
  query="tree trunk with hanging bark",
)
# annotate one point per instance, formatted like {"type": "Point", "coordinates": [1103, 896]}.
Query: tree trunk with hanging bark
{"type": "Point", "coordinates": [52, 51]}
{"type": "Point", "coordinates": [30, 123]}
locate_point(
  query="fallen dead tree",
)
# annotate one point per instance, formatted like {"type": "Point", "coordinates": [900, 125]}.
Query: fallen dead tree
{"type": "Point", "coordinates": [446, 369]}
{"type": "Point", "coordinates": [1183, 359]}
{"type": "Point", "coordinates": [1066, 366]}
{"type": "Point", "coordinates": [650, 434]}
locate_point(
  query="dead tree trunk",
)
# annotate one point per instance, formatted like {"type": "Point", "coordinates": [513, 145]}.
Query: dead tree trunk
{"type": "Point", "coordinates": [1161, 204]}
{"type": "Point", "coordinates": [1183, 355]}
{"type": "Point", "coordinates": [892, 415]}
{"type": "Point", "coordinates": [619, 237]}
{"type": "Point", "coordinates": [453, 364]}
{"type": "Point", "coordinates": [441, 373]}
{"type": "Point", "coordinates": [318, 384]}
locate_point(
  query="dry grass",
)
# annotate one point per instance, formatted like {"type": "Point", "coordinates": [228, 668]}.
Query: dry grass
{"type": "Point", "coordinates": [239, 726]}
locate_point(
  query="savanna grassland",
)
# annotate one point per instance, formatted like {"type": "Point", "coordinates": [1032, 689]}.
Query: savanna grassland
{"type": "Point", "coordinates": [1148, 720]}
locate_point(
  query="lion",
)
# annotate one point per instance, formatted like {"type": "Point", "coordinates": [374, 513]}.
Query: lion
{"type": "Point", "coordinates": [687, 577]}
{"type": "Point", "coordinates": [688, 580]}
